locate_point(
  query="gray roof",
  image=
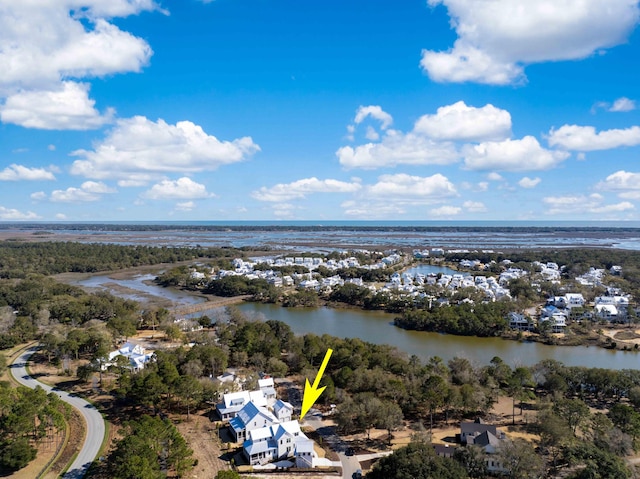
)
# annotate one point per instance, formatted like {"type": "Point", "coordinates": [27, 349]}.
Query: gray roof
{"type": "Point", "coordinates": [477, 428]}
{"type": "Point", "coordinates": [485, 439]}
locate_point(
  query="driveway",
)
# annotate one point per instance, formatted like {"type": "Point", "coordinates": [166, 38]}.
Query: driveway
{"type": "Point", "coordinates": [93, 419]}
{"type": "Point", "coordinates": [350, 464]}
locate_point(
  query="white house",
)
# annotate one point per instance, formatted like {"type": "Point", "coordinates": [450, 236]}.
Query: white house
{"type": "Point", "coordinates": [621, 304]}
{"type": "Point", "coordinates": [278, 441]}
{"type": "Point", "coordinates": [574, 300]}
{"type": "Point", "coordinates": [558, 322]}
{"type": "Point", "coordinates": [267, 387]}
{"type": "Point", "coordinates": [519, 321]}
{"type": "Point", "coordinates": [232, 403]}
{"type": "Point", "coordinates": [283, 410]}
{"type": "Point", "coordinates": [250, 418]}
{"type": "Point", "coordinates": [138, 357]}
{"type": "Point", "coordinates": [608, 312]}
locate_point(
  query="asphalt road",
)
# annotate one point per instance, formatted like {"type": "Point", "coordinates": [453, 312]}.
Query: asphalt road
{"type": "Point", "coordinates": [93, 418]}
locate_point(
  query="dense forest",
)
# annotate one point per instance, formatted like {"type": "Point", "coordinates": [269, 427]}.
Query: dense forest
{"type": "Point", "coordinates": [27, 417]}
{"type": "Point", "coordinates": [18, 259]}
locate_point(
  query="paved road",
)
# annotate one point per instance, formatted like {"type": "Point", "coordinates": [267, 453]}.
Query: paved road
{"type": "Point", "coordinates": [350, 464]}
{"type": "Point", "coordinates": [93, 419]}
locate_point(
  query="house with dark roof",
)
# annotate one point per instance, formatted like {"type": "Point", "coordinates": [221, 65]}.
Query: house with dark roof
{"type": "Point", "coordinates": [469, 431]}
{"type": "Point", "coordinates": [486, 436]}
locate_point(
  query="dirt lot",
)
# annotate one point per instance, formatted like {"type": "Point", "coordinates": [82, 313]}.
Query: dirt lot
{"type": "Point", "coordinates": [202, 436]}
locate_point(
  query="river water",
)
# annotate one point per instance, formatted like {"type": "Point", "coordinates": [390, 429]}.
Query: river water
{"type": "Point", "coordinates": [377, 327]}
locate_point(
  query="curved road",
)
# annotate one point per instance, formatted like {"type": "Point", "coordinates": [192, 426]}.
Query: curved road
{"type": "Point", "coordinates": [93, 418]}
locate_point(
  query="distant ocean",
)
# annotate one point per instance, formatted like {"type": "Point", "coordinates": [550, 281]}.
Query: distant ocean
{"type": "Point", "coordinates": [346, 223]}
{"type": "Point", "coordinates": [329, 235]}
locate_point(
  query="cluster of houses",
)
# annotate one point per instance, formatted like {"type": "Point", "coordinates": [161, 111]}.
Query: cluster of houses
{"type": "Point", "coordinates": [304, 280]}
{"type": "Point", "coordinates": [263, 424]}
{"type": "Point", "coordinates": [492, 287]}
{"type": "Point", "coordinates": [613, 307]}
{"type": "Point", "coordinates": [559, 310]}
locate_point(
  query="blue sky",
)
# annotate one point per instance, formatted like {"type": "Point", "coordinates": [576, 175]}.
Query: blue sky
{"type": "Point", "coordinates": [155, 110]}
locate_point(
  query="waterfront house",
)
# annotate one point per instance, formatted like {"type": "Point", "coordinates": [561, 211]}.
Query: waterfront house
{"type": "Point", "coordinates": [606, 312]}
{"type": "Point", "coordinates": [557, 322]}
{"type": "Point", "coordinates": [519, 322]}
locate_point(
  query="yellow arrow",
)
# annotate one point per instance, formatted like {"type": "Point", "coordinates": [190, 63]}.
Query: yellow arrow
{"type": "Point", "coordinates": [312, 393]}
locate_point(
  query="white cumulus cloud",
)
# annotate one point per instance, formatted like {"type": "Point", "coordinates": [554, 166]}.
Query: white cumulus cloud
{"type": "Point", "coordinates": [466, 123]}
{"type": "Point", "coordinates": [397, 148]}
{"type": "Point", "coordinates": [525, 154]}
{"type": "Point", "coordinates": [474, 206]}
{"type": "Point", "coordinates": [88, 191]}
{"type": "Point", "coordinates": [19, 172]}
{"type": "Point", "coordinates": [625, 183]}
{"type": "Point", "coordinates": [623, 104]}
{"type": "Point", "coordinates": [581, 204]}
{"type": "Point", "coordinates": [301, 188]}
{"type": "Point", "coordinates": [445, 211]}
{"type": "Point", "coordinates": [585, 138]}
{"type": "Point", "coordinates": [138, 150]}
{"type": "Point", "coordinates": [497, 38]}
{"type": "Point", "coordinates": [182, 189]}
{"type": "Point", "coordinates": [407, 188]}
{"type": "Point", "coordinates": [372, 210]}
{"type": "Point", "coordinates": [527, 182]}
{"type": "Point", "coordinates": [374, 111]}
{"type": "Point", "coordinates": [38, 196]}
{"type": "Point", "coordinates": [12, 214]}
{"type": "Point", "coordinates": [64, 45]}
{"type": "Point", "coordinates": [432, 140]}
{"type": "Point", "coordinates": [45, 43]}
{"type": "Point", "coordinates": [185, 206]}
{"type": "Point", "coordinates": [66, 108]}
